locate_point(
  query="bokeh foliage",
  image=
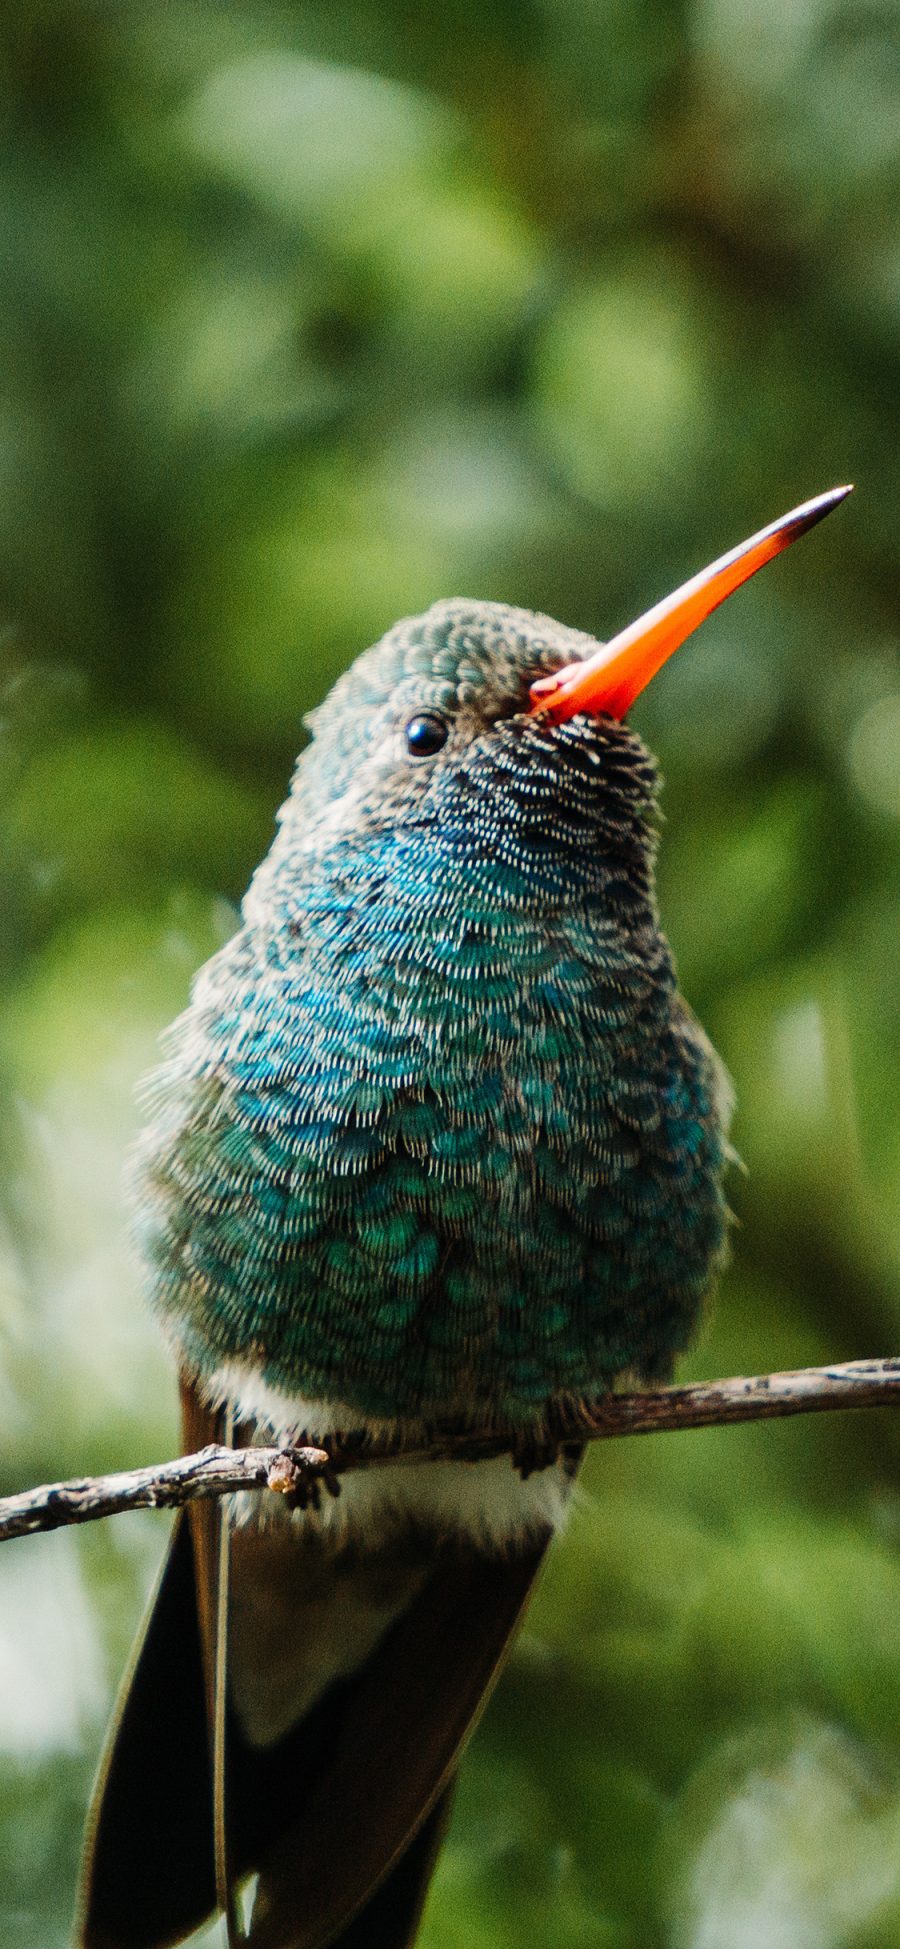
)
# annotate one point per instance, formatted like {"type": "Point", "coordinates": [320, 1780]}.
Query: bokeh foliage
{"type": "Point", "coordinates": [310, 314]}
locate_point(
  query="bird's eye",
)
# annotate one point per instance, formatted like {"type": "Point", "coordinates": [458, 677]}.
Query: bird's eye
{"type": "Point", "coordinates": [426, 734]}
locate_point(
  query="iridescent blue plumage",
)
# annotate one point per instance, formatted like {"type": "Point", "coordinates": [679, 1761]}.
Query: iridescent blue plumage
{"type": "Point", "coordinates": [437, 1134]}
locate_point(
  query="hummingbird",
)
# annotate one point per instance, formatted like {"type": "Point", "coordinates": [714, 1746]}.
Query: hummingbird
{"type": "Point", "coordinates": [437, 1143]}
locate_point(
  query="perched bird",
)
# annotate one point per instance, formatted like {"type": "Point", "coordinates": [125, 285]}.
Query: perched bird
{"type": "Point", "coordinates": [437, 1141]}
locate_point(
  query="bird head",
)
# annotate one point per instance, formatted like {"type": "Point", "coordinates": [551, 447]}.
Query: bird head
{"type": "Point", "coordinates": [497, 737]}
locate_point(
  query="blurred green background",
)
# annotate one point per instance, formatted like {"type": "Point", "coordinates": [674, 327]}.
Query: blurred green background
{"type": "Point", "coordinates": [309, 315]}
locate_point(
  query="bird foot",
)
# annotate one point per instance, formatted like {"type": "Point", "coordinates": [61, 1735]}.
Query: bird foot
{"type": "Point", "coordinates": [303, 1468]}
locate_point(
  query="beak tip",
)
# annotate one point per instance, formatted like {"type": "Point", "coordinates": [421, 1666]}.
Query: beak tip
{"type": "Point", "coordinates": [808, 514]}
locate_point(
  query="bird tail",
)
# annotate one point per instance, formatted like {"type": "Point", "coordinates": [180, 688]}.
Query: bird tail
{"type": "Point", "coordinates": [341, 1815]}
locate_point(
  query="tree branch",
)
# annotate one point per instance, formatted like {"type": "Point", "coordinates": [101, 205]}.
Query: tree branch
{"type": "Point", "coordinates": [300, 1472]}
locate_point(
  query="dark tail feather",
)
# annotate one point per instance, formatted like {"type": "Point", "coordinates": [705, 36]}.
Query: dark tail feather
{"type": "Point", "coordinates": [391, 1917]}
{"type": "Point", "coordinates": [150, 1872]}
{"type": "Point", "coordinates": [219, 1728]}
{"type": "Point", "coordinates": [150, 1867]}
{"type": "Point", "coordinates": [343, 1817]}
{"type": "Point", "coordinates": [392, 1741]}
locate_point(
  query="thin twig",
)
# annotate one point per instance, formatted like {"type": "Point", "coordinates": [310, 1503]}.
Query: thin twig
{"type": "Point", "coordinates": [300, 1471]}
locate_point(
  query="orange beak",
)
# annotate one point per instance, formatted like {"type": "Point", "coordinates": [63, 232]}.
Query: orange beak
{"type": "Point", "coordinates": [610, 680]}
